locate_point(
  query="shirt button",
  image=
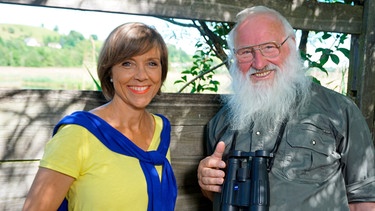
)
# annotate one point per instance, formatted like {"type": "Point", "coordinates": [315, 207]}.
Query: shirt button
{"type": "Point", "coordinates": [313, 142]}
{"type": "Point", "coordinates": [257, 133]}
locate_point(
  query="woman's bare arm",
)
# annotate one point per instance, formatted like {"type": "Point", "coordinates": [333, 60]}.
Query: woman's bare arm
{"type": "Point", "coordinates": [47, 191]}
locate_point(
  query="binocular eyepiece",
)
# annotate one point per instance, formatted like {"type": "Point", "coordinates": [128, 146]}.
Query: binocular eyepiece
{"type": "Point", "coordinates": [246, 186]}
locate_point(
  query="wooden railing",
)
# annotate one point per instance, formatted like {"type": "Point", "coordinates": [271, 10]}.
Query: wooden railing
{"type": "Point", "coordinates": [28, 116]}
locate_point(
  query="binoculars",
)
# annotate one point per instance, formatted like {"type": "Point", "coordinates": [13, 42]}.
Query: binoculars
{"type": "Point", "coordinates": [246, 186]}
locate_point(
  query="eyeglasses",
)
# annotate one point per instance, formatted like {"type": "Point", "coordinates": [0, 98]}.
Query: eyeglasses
{"type": "Point", "coordinates": [268, 50]}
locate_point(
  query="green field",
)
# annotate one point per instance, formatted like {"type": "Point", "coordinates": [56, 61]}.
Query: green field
{"type": "Point", "coordinates": [74, 79]}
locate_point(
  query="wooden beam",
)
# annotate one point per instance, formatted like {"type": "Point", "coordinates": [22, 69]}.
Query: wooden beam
{"type": "Point", "coordinates": [365, 71]}
{"type": "Point", "coordinates": [302, 14]}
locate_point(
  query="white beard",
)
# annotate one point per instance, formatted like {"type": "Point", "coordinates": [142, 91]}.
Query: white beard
{"type": "Point", "coordinates": [268, 102]}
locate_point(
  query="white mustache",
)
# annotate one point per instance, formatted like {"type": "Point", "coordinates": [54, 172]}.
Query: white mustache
{"type": "Point", "coordinates": [270, 67]}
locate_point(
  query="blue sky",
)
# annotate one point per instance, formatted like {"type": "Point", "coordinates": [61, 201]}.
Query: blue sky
{"type": "Point", "coordinates": [88, 23]}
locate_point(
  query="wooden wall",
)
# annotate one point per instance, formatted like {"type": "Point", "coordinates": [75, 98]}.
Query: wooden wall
{"type": "Point", "coordinates": [28, 117]}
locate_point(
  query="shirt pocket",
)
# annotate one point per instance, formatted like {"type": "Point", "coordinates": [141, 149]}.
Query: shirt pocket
{"type": "Point", "coordinates": [309, 154]}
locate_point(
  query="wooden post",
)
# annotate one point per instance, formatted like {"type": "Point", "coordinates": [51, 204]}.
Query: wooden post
{"type": "Point", "coordinates": [361, 83]}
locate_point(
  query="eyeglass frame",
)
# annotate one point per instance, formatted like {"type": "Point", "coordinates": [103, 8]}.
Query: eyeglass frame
{"type": "Point", "coordinates": [278, 46]}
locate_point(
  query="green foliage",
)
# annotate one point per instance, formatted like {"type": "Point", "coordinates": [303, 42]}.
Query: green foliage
{"type": "Point", "coordinates": [73, 39]}
{"type": "Point", "coordinates": [329, 53]}
{"type": "Point", "coordinates": [177, 55]}
{"type": "Point", "coordinates": [200, 76]}
{"type": "Point", "coordinates": [201, 64]}
{"type": "Point", "coordinates": [53, 49]}
{"type": "Point", "coordinates": [74, 51]}
{"type": "Point", "coordinates": [94, 37]}
{"type": "Point", "coordinates": [97, 83]}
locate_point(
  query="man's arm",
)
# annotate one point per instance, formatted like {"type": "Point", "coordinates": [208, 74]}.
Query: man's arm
{"type": "Point", "coordinates": [362, 206]}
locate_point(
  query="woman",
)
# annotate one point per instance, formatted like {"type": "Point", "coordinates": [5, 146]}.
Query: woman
{"type": "Point", "coordinates": [116, 156]}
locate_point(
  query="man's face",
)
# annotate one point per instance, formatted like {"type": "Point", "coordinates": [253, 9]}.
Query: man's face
{"type": "Point", "coordinates": [258, 30]}
{"type": "Point", "coordinates": [265, 89]}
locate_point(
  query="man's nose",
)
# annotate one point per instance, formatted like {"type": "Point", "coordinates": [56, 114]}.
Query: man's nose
{"type": "Point", "coordinates": [259, 61]}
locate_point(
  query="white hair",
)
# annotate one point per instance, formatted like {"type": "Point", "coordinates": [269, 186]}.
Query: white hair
{"type": "Point", "coordinates": [258, 10]}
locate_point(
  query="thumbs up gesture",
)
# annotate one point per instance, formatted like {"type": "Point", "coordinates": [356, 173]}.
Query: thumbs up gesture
{"type": "Point", "coordinates": [210, 171]}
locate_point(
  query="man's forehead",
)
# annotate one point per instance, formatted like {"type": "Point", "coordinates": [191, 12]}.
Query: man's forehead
{"type": "Point", "coordinates": [259, 29]}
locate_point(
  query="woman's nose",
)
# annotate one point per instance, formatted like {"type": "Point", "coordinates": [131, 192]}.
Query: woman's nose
{"type": "Point", "coordinates": [141, 73]}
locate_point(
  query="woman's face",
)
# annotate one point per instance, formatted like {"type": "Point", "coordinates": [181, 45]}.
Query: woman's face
{"type": "Point", "coordinates": [138, 79]}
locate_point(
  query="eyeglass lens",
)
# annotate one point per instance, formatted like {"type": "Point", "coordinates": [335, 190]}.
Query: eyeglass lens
{"type": "Point", "coordinates": [268, 50]}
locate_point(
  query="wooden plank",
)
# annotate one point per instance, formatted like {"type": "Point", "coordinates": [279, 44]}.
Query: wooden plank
{"type": "Point", "coordinates": [28, 143]}
{"type": "Point", "coordinates": [366, 101]}
{"type": "Point", "coordinates": [308, 15]}
{"type": "Point", "coordinates": [189, 193]}
{"type": "Point", "coordinates": [16, 178]}
{"type": "Point", "coordinates": [28, 118]}
{"type": "Point", "coordinates": [192, 108]}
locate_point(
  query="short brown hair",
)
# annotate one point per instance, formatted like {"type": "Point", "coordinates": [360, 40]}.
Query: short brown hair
{"type": "Point", "coordinates": [126, 41]}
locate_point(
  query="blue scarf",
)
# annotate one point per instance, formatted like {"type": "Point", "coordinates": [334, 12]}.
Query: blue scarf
{"type": "Point", "coordinates": [161, 195]}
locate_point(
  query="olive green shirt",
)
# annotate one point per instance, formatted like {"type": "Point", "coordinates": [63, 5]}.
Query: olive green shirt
{"type": "Point", "coordinates": [325, 159]}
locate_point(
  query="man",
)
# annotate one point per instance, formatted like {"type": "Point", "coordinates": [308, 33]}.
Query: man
{"type": "Point", "coordinates": [324, 156]}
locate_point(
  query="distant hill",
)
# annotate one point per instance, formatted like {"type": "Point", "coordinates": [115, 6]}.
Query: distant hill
{"type": "Point", "coordinates": [13, 31]}
{"type": "Point", "coordinates": [21, 40]}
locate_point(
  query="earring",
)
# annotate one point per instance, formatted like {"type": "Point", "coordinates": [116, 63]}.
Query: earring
{"type": "Point", "coordinates": [111, 80]}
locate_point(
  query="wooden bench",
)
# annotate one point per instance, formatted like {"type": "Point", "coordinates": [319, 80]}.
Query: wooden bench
{"type": "Point", "coordinates": [27, 118]}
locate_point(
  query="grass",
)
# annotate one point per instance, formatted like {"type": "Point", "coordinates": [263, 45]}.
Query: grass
{"type": "Point", "coordinates": [45, 78]}
{"type": "Point", "coordinates": [74, 79]}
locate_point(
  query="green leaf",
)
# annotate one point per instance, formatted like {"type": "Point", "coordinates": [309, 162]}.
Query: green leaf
{"type": "Point", "coordinates": [323, 59]}
{"type": "Point", "coordinates": [326, 36]}
{"type": "Point", "coordinates": [98, 87]}
{"type": "Point", "coordinates": [343, 38]}
{"type": "Point", "coordinates": [315, 80]}
{"type": "Point", "coordinates": [335, 58]}
{"type": "Point", "coordinates": [194, 68]}
{"type": "Point", "coordinates": [320, 50]}
{"type": "Point", "coordinates": [345, 51]}
{"type": "Point", "coordinates": [215, 82]}
{"type": "Point", "coordinates": [198, 45]}
{"type": "Point", "coordinates": [179, 81]}
{"type": "Point", "coordinates": [200, 88]}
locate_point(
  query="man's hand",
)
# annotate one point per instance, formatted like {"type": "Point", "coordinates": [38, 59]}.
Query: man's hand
{"type": "Point", "coordinates": [210, 173]}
